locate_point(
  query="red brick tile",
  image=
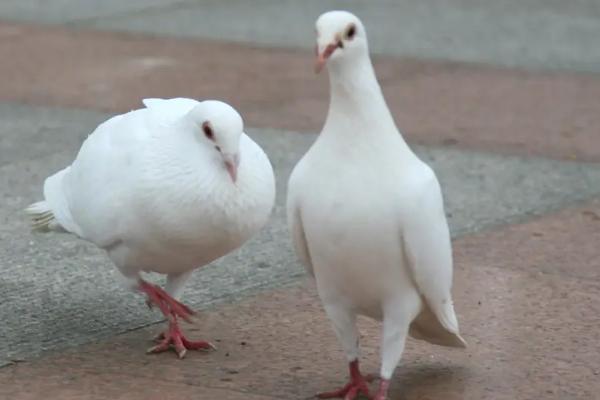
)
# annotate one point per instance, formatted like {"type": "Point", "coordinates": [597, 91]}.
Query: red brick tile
{"type": "Point", "coordinates": [565, 243]}
{"type": "Point", "coordinates": [69, 381]}
{"type": "Point", "coordinates": [531, 335]}
{"type": "Point", "coordinates": [472, 106]}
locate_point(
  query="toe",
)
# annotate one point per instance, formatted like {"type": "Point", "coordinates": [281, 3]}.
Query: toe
{"type": "Point", "coordinates": [352, 393]}
{"type": "Point", "coordinates": [337, 394]}
{"type": "Point", "coordinates": [181, 353]}
{"type": "Point", "coordinates": [199, 345]}
{"type": "Point", "coordinates": [159, 348]}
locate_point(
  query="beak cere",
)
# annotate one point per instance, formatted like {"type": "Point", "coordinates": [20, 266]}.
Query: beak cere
{"type": "Point", "coordinates": [324, 56]}
{"type": "Point", "coordinates": [231, 164]}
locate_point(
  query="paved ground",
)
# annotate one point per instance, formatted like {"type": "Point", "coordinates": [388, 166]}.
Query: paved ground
{"type": "Point", "coordinates": [516, 149]}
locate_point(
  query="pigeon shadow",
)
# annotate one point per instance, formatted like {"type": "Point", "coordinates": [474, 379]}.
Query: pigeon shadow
{"type": "Point", "coordinates": [429, 382]}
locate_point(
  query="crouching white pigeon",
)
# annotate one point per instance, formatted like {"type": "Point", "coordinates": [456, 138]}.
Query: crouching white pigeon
{"type": "Point", "coordinates": [167, 188]}
{"type": "Point", "coordinates": [367, 216]}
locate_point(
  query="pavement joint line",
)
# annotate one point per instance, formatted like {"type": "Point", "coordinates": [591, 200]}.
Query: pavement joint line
{"type": "Point", "coordinates": [293, 281]}
{"type": "Point", "coordinates": [525, 217]}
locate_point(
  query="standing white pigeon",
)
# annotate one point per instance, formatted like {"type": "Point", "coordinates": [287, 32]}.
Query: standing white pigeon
{"type": "Point", "coordinates": [367, 216]}
{"type": "Point", "coordinates": [167, 188]}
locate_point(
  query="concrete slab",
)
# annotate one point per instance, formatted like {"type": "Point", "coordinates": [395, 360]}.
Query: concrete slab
{"type": "Point", "coordinates": [58, 291]}
{"type": "Point", "coordinates": [26, 138]}
{"type": "Point", "coordinates": [62, 11]}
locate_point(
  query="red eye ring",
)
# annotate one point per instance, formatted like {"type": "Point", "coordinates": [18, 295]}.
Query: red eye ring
{"type": "Point", "coordinates": [208, 131]}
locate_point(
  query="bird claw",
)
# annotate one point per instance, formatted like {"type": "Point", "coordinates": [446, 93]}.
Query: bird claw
{"type": "Point", "coordinates": [198, 345]}
{"type": "Point", "coordinates": [348, 392]}
{"type": "Point", "coordinates": [382, 392]}
{"type": "Point", "coordinates": [159, 348]}
{"type": "Point", "coordinates": [357, 384]}
{"type": "Point", "coordinates": [181, 353]}
{"type": "Point", "coordinates": [172, 309]}
{"type": "Point", "coordinates": [174, 339]}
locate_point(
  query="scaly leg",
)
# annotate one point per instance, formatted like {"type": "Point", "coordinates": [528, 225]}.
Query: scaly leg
{"type": "Point", "coordinates": [344, 324]}
{"type": "Point", "coordinates": [356, 385]}
{"type": "Point", "coordinates": [396, 320]}
{"type": "Point", "coordinates": [172, 310]}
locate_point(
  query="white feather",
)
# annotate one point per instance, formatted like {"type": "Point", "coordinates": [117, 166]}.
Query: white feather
{"type": "Point", "coordinates": [153, 191]}
{"type": "Point", "coordinates": [367, 216]}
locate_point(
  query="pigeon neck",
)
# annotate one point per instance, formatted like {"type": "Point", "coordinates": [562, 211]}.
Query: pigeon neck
{"type": "Point", "coordinates": [355, 92]}
{"type": "Point", "coordinates": [353, 83]}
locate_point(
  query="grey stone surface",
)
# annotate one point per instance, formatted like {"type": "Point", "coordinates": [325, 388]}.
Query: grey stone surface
{"type": "Point", "coordinates": [25, 138]}
{"type": "Point", "coordinates": [59, 291]}
{"type": "Point", "coordinates": [524, 33]}
{"type": "Point", "coordinates": [62, 11]}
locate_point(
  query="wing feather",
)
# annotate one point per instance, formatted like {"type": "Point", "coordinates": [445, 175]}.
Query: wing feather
{"type": "Point", "coordinates": [427, 245]}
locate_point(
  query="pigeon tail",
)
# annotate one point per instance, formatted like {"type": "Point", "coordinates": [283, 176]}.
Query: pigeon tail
{"type": "Point", "coordinates": [42, 217]}
{"type": "Point", "coordinates": [441, 329]}
{"type": "Point", "coordinates": [53, 214]}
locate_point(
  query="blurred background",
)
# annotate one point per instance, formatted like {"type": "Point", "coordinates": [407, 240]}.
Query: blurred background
{"type": "Point", "coordinates": [501, 97]}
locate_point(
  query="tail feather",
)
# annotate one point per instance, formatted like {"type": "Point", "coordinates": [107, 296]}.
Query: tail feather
{"type": "Point", "coordinates": [42, 217]}
{"type": "Point", "coordinates": [441, 330]}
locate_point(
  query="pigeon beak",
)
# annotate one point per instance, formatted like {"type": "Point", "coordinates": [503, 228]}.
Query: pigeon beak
{"type": "Point", "coordinates": [232, 161]}
{"type": "Point", "coordinates": [324, 56]}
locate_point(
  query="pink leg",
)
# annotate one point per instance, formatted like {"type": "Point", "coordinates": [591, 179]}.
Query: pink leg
{"type": "Point", "coordinates": [356, 385]}
{"type": "Point", "coordinates": [383, 390]}
{"type": "Point", "coordinates": [171, 309]}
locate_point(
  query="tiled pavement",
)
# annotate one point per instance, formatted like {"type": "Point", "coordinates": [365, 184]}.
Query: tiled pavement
{"type": "Point", "coordinates": [517, 150]}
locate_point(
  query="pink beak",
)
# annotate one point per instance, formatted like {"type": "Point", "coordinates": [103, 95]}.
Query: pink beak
{"type": "Point", "coordinates": [324, 56]}
{"type": "Point", "coordinates": [231, 164]}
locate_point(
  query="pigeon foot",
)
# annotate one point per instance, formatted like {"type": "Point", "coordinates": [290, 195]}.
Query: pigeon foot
{"type": "Point", "coordinates": [172, 309]}
{"type": "Point", "coordinates": [351, 391]}
{"type": "Point", "coordinates": [383, 390]}
{"type": "Point", "coordinates": [174, 339]}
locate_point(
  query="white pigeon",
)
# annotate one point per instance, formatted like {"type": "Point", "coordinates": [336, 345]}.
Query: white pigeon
{"type": "Point", "coordinates": [367, 215]}
{"type": "Point", "coordinates": [166, 188]}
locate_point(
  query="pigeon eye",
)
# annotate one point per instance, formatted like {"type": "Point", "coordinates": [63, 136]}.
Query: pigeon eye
{"type": "Point", "coordinates": [351, 32]}
{"type": "Point", "coordinates": [208, 132]}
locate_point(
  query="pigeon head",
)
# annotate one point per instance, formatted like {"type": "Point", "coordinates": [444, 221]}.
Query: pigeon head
{"type": "Point", "coordinates": [341, 37]}
{"type": "Point", "coordinates": [220, 126]}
